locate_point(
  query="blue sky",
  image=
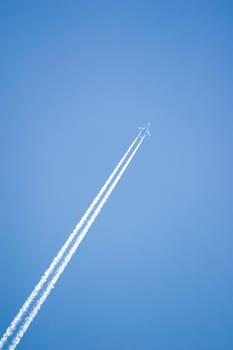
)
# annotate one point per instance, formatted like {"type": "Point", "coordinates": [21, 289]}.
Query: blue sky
{"type": "Point", "coordinates": [77, 78]}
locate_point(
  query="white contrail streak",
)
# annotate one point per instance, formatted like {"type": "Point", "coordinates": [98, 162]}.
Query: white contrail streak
{"type": "Point", "coordinates": [61, 253]}
{"type": "Point", "coordinates": [69, 255]}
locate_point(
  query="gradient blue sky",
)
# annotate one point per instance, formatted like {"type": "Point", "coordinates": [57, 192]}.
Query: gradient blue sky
{"type": "Point", "coordinates": [77, 78]}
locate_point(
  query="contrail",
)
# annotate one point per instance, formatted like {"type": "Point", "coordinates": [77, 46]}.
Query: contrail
{"type": "Point", "coordinates": [69, 255]}
{"type": "Point", "coordinates": [61, 253]}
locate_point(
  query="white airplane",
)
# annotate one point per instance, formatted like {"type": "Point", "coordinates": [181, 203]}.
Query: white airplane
{"type": "Point", "coordinates": [144, 131]}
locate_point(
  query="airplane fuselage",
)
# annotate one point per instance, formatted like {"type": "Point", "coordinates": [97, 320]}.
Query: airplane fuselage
{"type": "Point", "coordinates": [144, 131]}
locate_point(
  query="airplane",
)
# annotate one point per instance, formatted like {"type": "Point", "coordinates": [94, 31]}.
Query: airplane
{"type": "Point", "coordinates": [144, 131]}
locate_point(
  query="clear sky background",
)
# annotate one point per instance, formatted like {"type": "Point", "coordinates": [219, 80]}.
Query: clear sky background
{"type": "Point", "coordinates": [77, 78]}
